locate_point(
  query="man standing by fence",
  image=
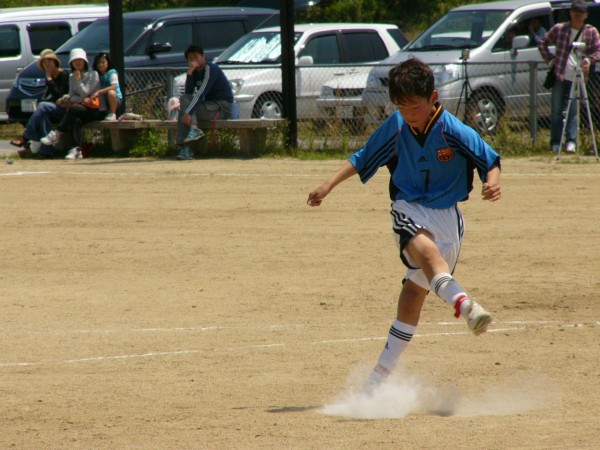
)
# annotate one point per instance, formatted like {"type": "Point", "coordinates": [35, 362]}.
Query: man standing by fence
{"type": "Point", "coordinates": [564, 63]}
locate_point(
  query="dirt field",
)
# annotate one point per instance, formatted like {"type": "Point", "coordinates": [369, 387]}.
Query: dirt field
{"type": "Point", "coordinates": [202, 304]}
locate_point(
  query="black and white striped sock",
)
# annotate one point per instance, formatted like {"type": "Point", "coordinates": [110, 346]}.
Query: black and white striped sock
{"type": "Point", "coordinates": [399, 336]}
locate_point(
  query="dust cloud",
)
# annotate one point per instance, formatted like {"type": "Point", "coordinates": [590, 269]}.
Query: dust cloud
{"type": "Point", "coordinates": [403, 394]}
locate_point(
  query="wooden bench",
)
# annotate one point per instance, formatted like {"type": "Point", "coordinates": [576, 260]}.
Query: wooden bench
{"type": "Point", "coordinates": [252, 132]}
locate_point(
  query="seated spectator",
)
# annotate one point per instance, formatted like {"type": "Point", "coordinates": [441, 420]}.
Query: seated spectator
{"type": "Point", "coordinates": [81, 107]}
{"type": "Point", "coordinates": [207, 95]}
{"type": "Point", "coordinates": [50, 109]}
{"type": "Point", "coordinates": [110, 92]}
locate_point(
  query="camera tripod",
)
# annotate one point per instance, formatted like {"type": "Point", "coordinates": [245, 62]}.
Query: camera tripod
{"type": "Point", "coordinates": [466, 92]}
{"type": "Point", "coordinates": [578, 93]}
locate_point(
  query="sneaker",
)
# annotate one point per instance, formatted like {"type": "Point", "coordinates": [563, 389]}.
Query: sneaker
{"type": "Point", "coordinates": [110, 116]}
{"type": "Point", "coordinates": [74, 153]}
{"type": "Point", "coordinates": [194, 135]}
{"type": "Point", "coordinates": [34, 146]}
{"type": "Point", "coordinates": [185, 154]}
{"type": "Point", "coordinates": [570, 147]}
{"type": "Point", "coordinates": [478, 319]}
{"type": "Point", "coordinates": [555, 148]}
{"type": "Point", "coordinates": [51, 139]}
{"type": "Point", "coordinates": [24, 153]}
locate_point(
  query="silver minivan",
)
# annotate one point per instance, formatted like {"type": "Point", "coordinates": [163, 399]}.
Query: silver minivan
{"type": "Point", "coordinates": [488, 44]}
{"type": "Point", "coordinates": [25, 32]}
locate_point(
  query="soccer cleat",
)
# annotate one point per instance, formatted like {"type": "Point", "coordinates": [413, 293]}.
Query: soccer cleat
{"type": "Point", "coordinates": [185, 154]}
{"type": "Point", "coordinates": [478, 319]}
{"type": "Point", "coordinates": [570, 147]}
{"type": "Point", "coordinates": [376, 379]}
{"type": "Point", "coordinates": [51, 139]}
{"type": "Point", "coordinates": [194, 135]}
{"type": "Point", "coordinates": [74, 153]}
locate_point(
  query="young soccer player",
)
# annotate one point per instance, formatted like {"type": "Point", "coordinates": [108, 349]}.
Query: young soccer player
{"type": "Point", "coordinates": [431, 157]}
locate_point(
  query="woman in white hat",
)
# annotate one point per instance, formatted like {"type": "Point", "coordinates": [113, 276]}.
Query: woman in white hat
{"type": "Point", "coordinates": [47, 111]}
{"type": "Point", "coordinates": [83, 82]}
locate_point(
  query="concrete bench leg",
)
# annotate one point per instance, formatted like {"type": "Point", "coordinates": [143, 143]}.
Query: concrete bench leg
{"type": "Point", "coordinates": [252, 141]}
{"type": "Point", "coordinates": [123, 139]}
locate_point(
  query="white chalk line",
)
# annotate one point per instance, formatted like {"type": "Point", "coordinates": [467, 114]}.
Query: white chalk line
{"type": "Point", "coordinates": [270, 175]}
{"type": "Point", "coordinates": [521, 325]}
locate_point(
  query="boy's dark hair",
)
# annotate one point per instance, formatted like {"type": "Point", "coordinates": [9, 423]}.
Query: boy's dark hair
{"type": "Point", "coordinates": [193, 49]}
{"type": "Point", "coordinates": [412, 78]}
{"type": "Point", "coordinates": [108, 61]}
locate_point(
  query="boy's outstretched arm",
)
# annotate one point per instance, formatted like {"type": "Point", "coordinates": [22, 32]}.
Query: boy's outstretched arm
{"type": "Point", "coordinates": [490, 190]}
{"type": "Point", "coordinates": [316, 197]}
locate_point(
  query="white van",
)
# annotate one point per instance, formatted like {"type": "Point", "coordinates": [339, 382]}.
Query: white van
{"type": "Point", "coordinates": [323, 51]}
{"type": "Point", "coordinates": [25, 32]}
{"type": "Point", "coordinates": [490, 42]}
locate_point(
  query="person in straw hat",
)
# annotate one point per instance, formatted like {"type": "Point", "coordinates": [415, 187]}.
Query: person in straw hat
{"type": "Point", "coordinates": [48, 110]}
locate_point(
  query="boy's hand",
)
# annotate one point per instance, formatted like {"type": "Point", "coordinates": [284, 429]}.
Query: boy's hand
{"type": "Point", "coordinates": [316, 197]}
{"type": "Point", "coordinates": [490, 192]}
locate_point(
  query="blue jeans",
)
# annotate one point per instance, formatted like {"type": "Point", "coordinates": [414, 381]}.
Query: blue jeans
{"type": "Point", "coordinates": [40, 123]}
{"type": "Point", "coordinates": [560, 98]}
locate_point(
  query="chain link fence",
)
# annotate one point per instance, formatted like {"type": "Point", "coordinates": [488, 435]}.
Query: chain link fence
{"type": "Point", "coordinates": [340, 105]}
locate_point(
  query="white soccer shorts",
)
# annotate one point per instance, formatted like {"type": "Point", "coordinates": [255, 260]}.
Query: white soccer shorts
{"type": "Point", "coordinates": [445, 225]}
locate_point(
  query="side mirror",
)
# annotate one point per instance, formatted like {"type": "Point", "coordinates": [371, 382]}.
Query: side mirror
{"type": "Point", "coordinates": [519, 42]}
{"type": "Point", "coordinates": [305, 61]}
{"type": "Point", "coordinates": [159, 48]}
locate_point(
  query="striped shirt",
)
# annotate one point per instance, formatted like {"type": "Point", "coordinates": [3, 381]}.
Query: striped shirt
{"type": "Point", "coordinates": [434, 168]}
{"type": "Point", "coordinates": [560, 34]}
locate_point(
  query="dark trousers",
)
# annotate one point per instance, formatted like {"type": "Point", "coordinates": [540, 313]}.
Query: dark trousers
{"type": "Point", "coordinates": [76, 116]}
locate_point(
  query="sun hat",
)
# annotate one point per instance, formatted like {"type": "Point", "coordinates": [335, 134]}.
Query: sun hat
{"type": "Point", "coordinates": [77, 53]}
{"type": "Point", "coordinates": [48, 54]}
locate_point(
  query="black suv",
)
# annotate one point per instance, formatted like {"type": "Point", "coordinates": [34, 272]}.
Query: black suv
{"type": "Point", "coordinates": [156, 38]}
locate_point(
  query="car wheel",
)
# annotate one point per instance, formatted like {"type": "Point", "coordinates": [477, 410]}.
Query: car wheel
{"type": "Point", "coordinates": [483, 112]}
{"type": "Point", "coordinates": [268, 106]}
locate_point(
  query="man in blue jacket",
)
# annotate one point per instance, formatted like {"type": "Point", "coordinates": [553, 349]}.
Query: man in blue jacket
{"type": "Point", "coordinates": [207, 94]}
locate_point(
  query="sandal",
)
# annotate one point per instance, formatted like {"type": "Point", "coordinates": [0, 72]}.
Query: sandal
{"type": "Point", "coordinates": [20, 142]}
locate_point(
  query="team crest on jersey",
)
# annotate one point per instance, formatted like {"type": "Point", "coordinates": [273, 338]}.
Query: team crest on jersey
{"type": "Point", "coordinates": [445, 154]}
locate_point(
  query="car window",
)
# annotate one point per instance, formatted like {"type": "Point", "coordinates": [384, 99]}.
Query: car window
{"type": "Point", "coordinates": [532, 27]}
{"type": "Point", "coordinates": [219, 35]}
{"type": "Point", "coordinates": [9, 41]}
{"type": "Point", "coordinates": [364, 46]}
{"type": "Point", "coordinates": [398, 36]}
{"type": "Point", "coordinates": [179, 35]}
{"type": "Point", "coordinates": [96, 36]}
{"type": "Point", "coordinates": [83, 24]}
{"type": "Point", "coordinates": [43, 36]}
{"type": "Point", "coordinates": [460, 29]}
{"type": "Point", "coordinates": [253, 48]}
{"type": "Point", "coordinates": [323, 49]}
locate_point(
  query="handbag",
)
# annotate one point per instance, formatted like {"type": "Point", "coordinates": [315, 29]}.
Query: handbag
{"type": "Point", "coordinates": [88, 102]}
{"type": "Point", "coordinates": [550, 78]}
{"type": "Point", "coordinates": [91, 103]}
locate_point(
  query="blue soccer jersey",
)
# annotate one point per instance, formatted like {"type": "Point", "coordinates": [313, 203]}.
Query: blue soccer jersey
{"type": "Point", "coordinates": [434, 168]}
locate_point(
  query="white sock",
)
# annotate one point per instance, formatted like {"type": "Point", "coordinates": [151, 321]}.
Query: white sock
{"type": "Point", "coordinates": [447, 288]}
{"type": "Point", "coordinates": [399, 336]}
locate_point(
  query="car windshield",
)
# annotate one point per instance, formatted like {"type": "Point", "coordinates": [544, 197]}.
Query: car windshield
{"type": "Point", "coordinates": [459, 29]}
{"type": "Point", "coordinates": [263, 47]}
{"type": "Point", "coordinates": [95, 38]}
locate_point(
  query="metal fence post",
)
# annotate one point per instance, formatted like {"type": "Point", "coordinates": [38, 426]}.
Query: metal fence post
{"type": "Point", "coordinates": [533, 100]}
